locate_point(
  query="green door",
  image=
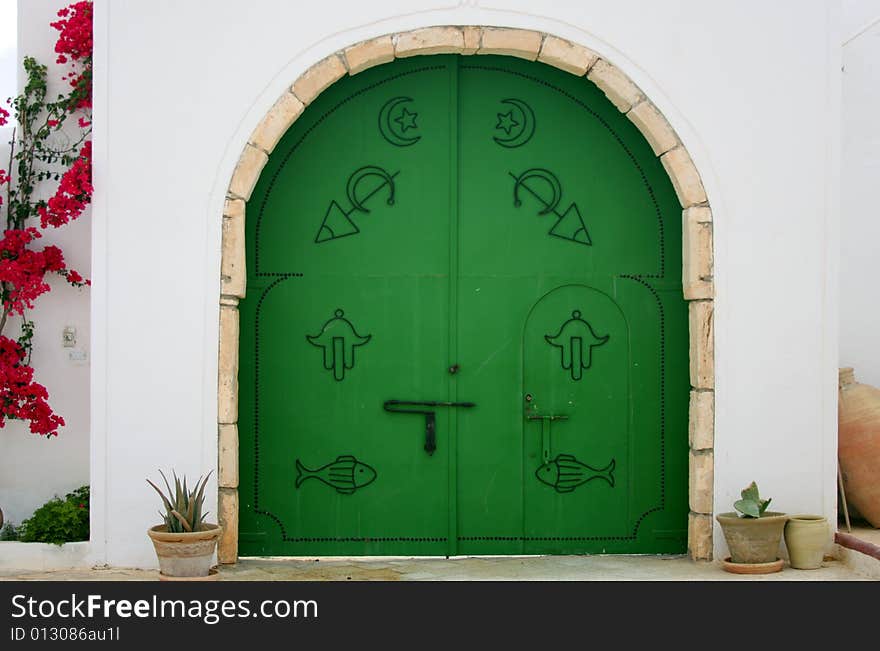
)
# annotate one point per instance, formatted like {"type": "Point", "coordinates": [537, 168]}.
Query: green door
{"type": "Point", "coordinates": [464, 330]}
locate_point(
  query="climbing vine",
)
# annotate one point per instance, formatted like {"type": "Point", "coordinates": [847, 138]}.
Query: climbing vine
{"type": "Point", "coordinates": [50, 151]}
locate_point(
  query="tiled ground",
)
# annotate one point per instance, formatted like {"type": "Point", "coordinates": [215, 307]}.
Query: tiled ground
{"type": "Point", "coordinates": [534, 568]}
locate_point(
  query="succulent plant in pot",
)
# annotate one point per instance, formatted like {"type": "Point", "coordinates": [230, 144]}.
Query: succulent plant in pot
{"type": "Point", "coordinates": [752, 532]}
{"type": "Point", "coordinates": [185, 543]}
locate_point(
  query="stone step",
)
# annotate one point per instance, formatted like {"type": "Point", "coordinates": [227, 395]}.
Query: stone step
{"type": "Point", "coordinates": [858, 553]}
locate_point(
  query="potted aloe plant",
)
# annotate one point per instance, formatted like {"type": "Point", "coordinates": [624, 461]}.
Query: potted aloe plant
{"type": "Point", "coordinates": [185, 543]}
{"type": "Point", "coordinates": [753, 534]}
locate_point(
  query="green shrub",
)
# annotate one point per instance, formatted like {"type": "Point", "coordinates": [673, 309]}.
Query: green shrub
{"type": "Point", "coordinates": [59, 521]}
{"type": "Point", "coordinates": [8, 532]}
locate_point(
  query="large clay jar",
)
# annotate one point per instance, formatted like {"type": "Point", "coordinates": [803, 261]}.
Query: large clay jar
{"type": "Point", "coordinates": [858, 418]}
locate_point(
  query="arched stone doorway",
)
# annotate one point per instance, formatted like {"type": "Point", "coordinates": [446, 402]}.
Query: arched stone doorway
{"type": "Point", "coordinates": [696, 244]}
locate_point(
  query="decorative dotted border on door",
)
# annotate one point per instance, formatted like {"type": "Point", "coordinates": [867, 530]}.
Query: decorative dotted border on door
{"type": "Point", "coordinates": [697, 268]}
{"type": "Point", "coordinates": [637, 278]}
{"type": "Point", "coordinates": [662, 315]}
{"type": "Point", "coordinates": [661, 235]}
{"type": "Point", "coordinates": [302, 139]}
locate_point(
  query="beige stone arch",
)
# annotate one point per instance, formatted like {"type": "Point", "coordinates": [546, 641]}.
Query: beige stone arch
{"type": "Point", "coordinates": [697, 267]}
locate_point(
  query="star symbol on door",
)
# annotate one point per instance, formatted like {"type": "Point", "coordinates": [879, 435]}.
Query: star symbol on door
{"type": "Point", "coordinates": [506, 122]}
{"type": "Point", "coordinates": [406, 120]}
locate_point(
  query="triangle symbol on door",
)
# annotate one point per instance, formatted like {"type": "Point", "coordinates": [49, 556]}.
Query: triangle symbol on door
{"type": "Point", "coordinates": [336, 224]}
{"type": "Point", "coordinates": [571, 227]}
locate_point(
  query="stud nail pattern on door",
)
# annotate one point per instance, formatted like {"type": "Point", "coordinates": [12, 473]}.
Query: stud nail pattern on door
{"type": "Point", "coordinates": [450, 251]}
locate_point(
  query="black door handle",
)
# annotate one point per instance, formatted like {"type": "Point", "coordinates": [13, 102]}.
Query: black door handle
{"type": "Point", "coordinates": [412, 407]}
{"type": "Point", "coordinates": [430, 432]}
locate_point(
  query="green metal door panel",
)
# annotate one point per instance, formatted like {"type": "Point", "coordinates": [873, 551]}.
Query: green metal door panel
{"type": "Point", "coordinates": [490, 436]}
{"type": "Point", "coordinates": [665, 530]}
{"type": "Point", "coordinates": [315, 407]}
{"type": "Point", "coordinates": [338, 196]}
{"type": "Point", "coordinates": [565, 218]}
{"type": "Point", "coordinates": [463, 229]}
{"type": "Point", "coordinates": [348, 307]}
{"type": "Point", "coordinates": [574, 193]}
{"type": "Point", "coordinates": [577, 441]}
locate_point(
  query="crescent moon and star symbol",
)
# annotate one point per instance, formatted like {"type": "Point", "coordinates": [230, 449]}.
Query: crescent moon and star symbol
{"type": "Point", "coordinates": [545, 187]}
{"type": "Point", "coordinates": [397, 123]}
{"type": "Point", "coordinates": [360, 187]}
{"type": "Point", "coordinates": [518, 124]}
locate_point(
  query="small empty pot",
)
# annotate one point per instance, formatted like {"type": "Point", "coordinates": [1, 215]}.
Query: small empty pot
{"type": "Point", "coordinates": [806, 537]}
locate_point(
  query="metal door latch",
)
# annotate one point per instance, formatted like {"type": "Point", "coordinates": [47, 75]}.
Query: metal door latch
{"type": "Point", "coordinates": [400, 407]}
{"type": "Point", "coordinates": [546, 424]}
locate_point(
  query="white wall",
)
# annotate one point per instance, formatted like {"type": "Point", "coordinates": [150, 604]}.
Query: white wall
{"type": "Point", "coordinates": [32, 467]}
{"type": "Point", "coordinates": [860, 215]}
{"type": "Point", "coordinates": [8, 51]}
{"type": "Point", "coordinates": [179, 86]}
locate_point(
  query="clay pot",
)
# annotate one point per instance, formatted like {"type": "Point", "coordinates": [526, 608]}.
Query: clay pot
{"type": "Point", "coordinates": [213, 575]}
{"type": "Point", "coordinates": [806, 537]}
{"type": "Point", "coordinates": [858, 444]}
{"type": "Point", "coordinates": [753, 540]}
{"type": "Point", "coordinates": [187, 554]}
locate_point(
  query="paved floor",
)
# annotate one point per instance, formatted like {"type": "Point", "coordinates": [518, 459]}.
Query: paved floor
{"type": "Point", "coordinates": [524, 568]}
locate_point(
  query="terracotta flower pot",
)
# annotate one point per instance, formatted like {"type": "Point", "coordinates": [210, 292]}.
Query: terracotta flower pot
{"type": "Point", "coordinates": [187, 554]}
{"type": "Point", "coordinates": [753, 540]}
{"type": "Point", "coordinates": [806, 537]}
{"type": "Point", "coordinates": [858, 444]}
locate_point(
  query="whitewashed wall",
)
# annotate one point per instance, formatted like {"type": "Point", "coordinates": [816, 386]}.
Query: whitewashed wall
{"type": "Point", "coordinates": [33, 468]}
{"type": "Point", "coordinates": [180, 85]}
{"type": "Point", "coordinates": [860, 214]}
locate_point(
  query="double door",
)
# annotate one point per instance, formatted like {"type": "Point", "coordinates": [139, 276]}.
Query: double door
{"type": "Point", "coordinates": [464, 331]}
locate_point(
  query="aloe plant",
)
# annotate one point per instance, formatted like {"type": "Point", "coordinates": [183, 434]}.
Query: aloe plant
{"type": "Point", "coordinates": [183, 508]}
{"type": "Point", "coordinates": [751, 505]}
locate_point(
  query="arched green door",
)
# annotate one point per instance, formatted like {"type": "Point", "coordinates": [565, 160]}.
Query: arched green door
{"type": "Point", "coordinates": [464, 330]}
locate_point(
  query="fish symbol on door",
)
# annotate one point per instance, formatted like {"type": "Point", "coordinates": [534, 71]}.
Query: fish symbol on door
{"type": "Point", "coordinates": [576, 340]}
{"type": "Point", "coordinates": [338, 338]}
{"type": "Point", "coordinates": [346, 474]}
{"type": "Point", "coordinates": [565, 473]}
